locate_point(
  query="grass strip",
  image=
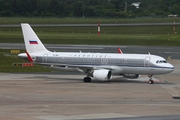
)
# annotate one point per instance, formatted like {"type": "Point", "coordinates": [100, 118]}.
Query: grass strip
{"type": "Point", "coordinates": [134, 35]}
{"type": "Point", "coordinates": [7, 59]}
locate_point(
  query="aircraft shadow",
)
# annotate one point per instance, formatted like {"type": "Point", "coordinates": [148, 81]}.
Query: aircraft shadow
{"type": "Point", "coordinates": [119, 80]}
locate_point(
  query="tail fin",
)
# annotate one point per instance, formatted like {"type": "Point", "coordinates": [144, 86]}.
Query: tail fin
{"type": "Point", "coordinates": [32, 42]}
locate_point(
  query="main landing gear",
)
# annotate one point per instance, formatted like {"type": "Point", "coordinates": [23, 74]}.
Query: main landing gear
{"type": "Point", "coordinates": [151, 81]}
{"type": "Point", "coordinates": [87, 79]}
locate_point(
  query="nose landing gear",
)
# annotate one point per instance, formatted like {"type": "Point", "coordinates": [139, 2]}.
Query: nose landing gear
{"type": "Point", "coordinates": [151, 81]}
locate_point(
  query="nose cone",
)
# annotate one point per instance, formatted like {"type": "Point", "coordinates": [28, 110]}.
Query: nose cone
{"type": "Point", "coordinates": [170, 67]}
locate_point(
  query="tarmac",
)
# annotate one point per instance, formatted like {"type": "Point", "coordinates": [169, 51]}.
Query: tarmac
{"type": "Point", "coordinates": [64, 96]}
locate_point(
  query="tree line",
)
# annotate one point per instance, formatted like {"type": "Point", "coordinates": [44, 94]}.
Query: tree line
{"type": "Point", "coordinates": [88, 8]}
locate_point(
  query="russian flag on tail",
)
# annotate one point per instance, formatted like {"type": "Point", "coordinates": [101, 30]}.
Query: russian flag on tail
{"type": "Point", "coordinates": [33, 42]}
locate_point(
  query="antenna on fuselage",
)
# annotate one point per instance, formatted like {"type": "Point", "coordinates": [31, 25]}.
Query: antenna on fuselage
{"type": "Point", "coordinates": [149, 53]}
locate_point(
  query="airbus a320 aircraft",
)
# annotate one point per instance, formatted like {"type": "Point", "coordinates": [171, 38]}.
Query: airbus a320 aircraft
{"type": "Point", "coordinates": [100, 66]}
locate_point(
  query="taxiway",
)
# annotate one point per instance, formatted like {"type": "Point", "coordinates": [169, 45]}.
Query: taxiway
{"type": "Point", "coordinates": [64, 96]}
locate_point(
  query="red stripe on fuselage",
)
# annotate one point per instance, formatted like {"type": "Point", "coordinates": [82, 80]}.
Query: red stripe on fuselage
{"type": "Point", "coordinates": [29, 57]}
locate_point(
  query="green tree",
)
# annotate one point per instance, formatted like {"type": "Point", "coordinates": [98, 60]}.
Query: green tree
{"type": "Point", "coordinates": [175, 9]}
{"type": "Point", "coordinates": [6, 9]}
{"type": "Point", "coordinates": [78, 9]}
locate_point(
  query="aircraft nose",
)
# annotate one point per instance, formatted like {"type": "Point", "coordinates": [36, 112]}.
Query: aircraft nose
{"type": "Point", "coordinates": [171, 68]}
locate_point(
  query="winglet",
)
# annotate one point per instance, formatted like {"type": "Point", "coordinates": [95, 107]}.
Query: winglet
{"type": "Point", "coordinates": [29, 57]}
{"type": "Point", "coordinates": [119, 51]}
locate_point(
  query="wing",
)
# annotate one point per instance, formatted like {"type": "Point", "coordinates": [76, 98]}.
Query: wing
{"type": "Point", "coordinates": [83, 68]}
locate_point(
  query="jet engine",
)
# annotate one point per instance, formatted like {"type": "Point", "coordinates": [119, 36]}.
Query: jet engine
{"type": "Point", "coordinates": [131, 76]}
{"type": "Point", "coordinates": [102, 74]}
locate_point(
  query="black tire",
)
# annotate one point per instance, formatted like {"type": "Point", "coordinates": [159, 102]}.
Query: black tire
{"type": "Point", "coordinates": [87, 79]}
{"type": "Point", "coordinates": [151, 82]}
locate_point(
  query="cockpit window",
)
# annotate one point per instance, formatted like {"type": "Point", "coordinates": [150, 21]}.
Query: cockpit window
{"type": "Point", "coordinates": [161, 61]}
{"type": "Point", "coordinates": [164, 61]}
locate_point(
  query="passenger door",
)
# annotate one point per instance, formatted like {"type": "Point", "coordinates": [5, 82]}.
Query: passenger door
{"type": "Point", "coordinates": [44, 59]}
{"type": "Point", "coordinates": [147, 61]}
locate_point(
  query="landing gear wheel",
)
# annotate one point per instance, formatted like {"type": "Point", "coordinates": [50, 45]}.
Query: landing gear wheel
{"type": "Point", "coordinates": [150, 81]}
{"type": "Point", "coordinates": [87, 79]}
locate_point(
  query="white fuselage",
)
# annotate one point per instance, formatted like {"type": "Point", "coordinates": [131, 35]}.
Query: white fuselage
{"type": "Point", "coordinates": [118, 63]}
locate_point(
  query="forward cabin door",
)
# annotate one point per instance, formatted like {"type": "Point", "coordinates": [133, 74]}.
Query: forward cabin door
{"type": "Point", "coordinates": [147, 61]}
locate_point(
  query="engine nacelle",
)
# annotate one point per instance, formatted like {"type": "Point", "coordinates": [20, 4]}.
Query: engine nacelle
{"type": "Point", "coordinates": [102, 74]}
{"type": "Point", "coordinates": [131, 76]}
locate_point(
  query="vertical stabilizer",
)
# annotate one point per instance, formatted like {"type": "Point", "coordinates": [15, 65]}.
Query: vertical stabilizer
{"type": "Point", "coordinates": [32, 42]}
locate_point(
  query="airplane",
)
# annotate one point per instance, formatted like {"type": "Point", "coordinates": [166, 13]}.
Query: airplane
{"type": "Point", "coordinates": [100, 66]}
